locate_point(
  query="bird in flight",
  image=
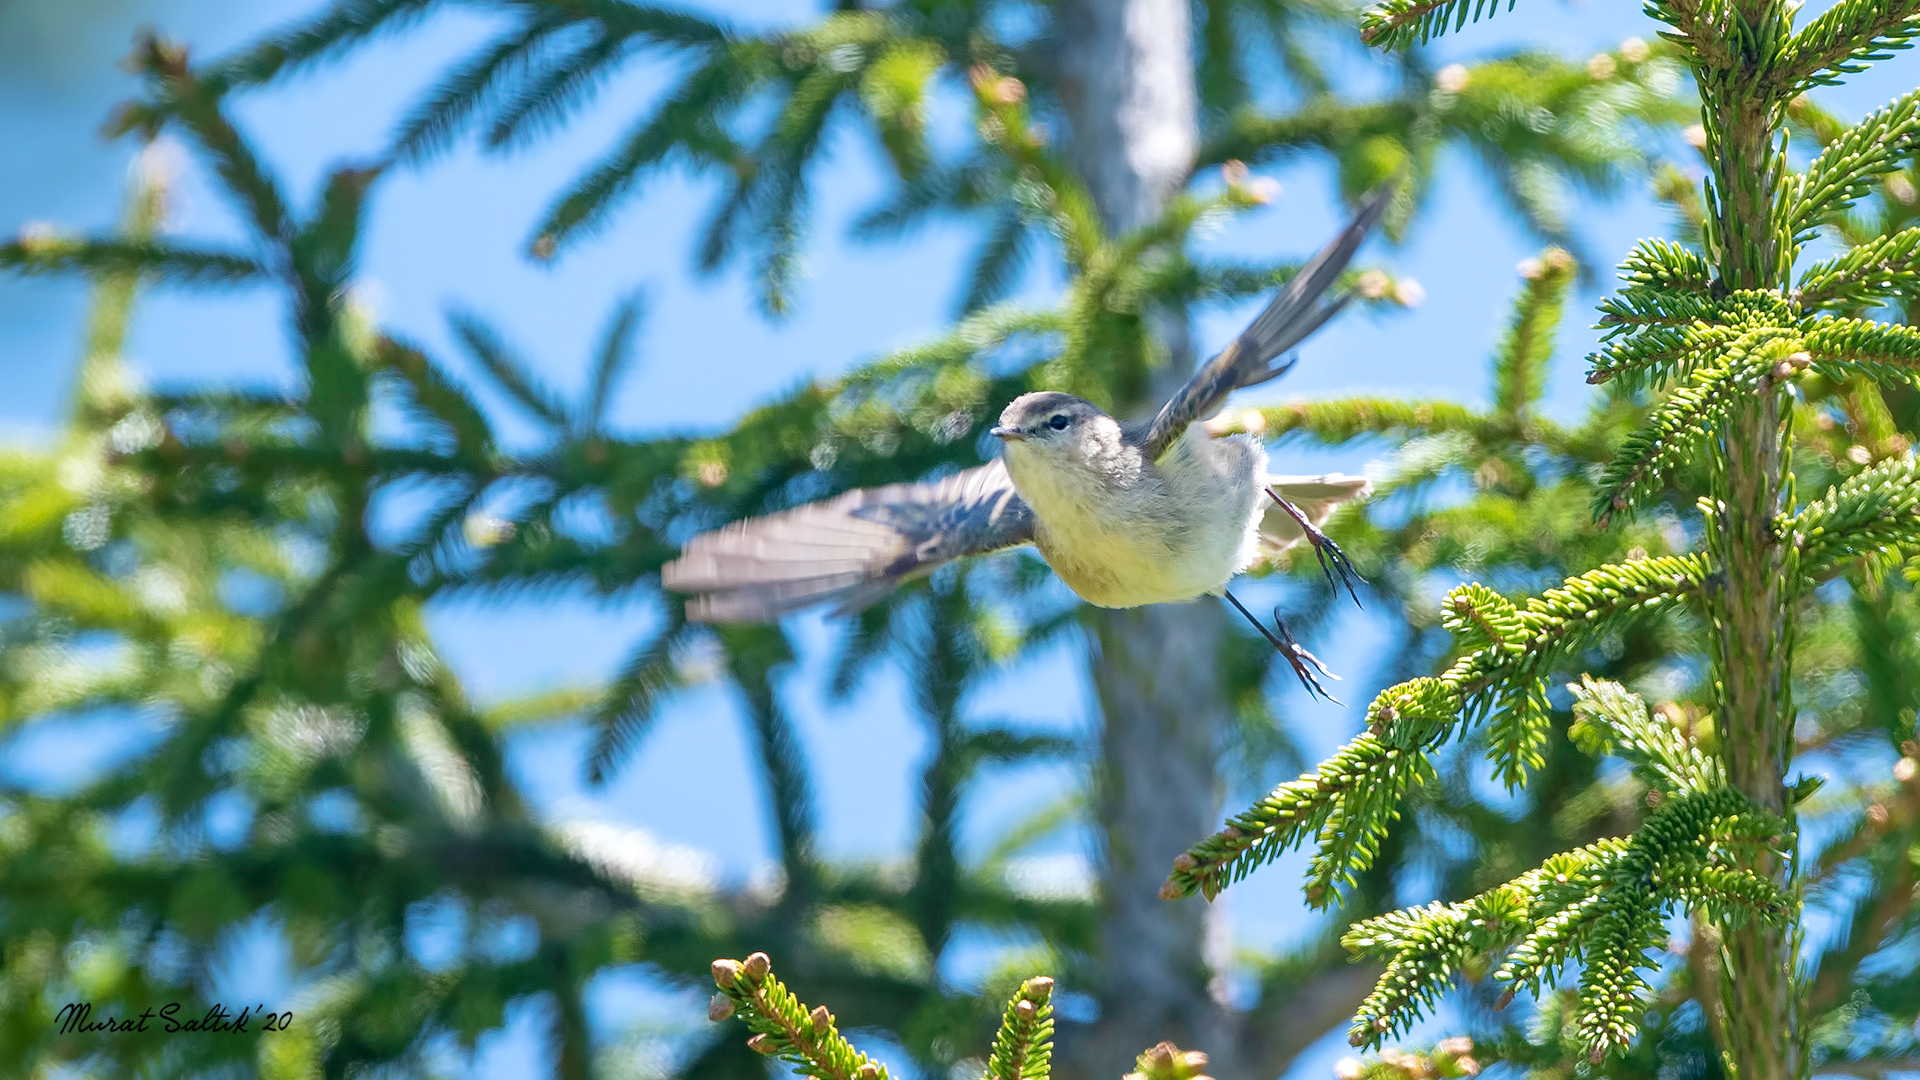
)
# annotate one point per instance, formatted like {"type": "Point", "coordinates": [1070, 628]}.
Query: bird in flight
{"type": "Point", "coordinates": [1126, 513]}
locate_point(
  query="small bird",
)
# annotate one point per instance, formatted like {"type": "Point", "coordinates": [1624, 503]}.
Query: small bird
{"type": "Point", "coordinates": [1127, 514]}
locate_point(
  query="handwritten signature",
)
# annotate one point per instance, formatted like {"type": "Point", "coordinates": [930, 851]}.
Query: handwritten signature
{"type": "Point", "coordinates": [77, 1017]}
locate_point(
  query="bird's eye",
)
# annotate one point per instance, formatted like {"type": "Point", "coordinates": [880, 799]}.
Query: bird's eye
{"type": "Point", "coordinates": [1059, 422]}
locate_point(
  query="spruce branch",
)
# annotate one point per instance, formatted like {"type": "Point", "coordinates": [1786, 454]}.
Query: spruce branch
{"type": "Point", "coordinates": [686, 124]}
{"type": "Point", "coordinates": [1401, 23]}
{"type": "Point", "coordinates": [433, 123]}
{"type": "Point", "coordinates": [1609, 719]}
{"type": "Point", "coordinates": [510, 372]}
{"type": "Point", "coordinates": [1023, 1047]}
{"type": "Point", "coordinates": [1634, 310]}
{"type": "Point", "coordinates": [196, 106]}
{"type": "Point", "coordinates": [1665, 266]}
{"type": "Point", "coordinates": [626, 711]}
{"type": "Point", "coordinates": [1165, 1061]}
{"type": "Point", "coordinates": [611, 361]}
{"type": "Point", "coordinates": [345, 23]}
{"type": "Point", "coordinates": [1869, 512]}
{"type": "Point", "coordinates": [1691, 417]}
{"type": "Point", "coordinates": [1842, 348]}
{"type": "Point", "coordinates": [1338, 420]}
{"type": "Point", "coordinates": [1882, 268]}
{"type": "Point", "coordinates": [163, 263]}
{"type": "Point", "coordinates": [1844, 40]}
{"type": "Point", "coordinates": [783, 1026]}
{"type": "Point", "coordinates": [1656, 353]}
{"type": "Point", "coordinates": [1349, 802]}
{"type": "Point", "coordinates": [1846, 169]}
{"type": "Point", "coordinates": [1520, 360]}
{"type": "Point", "coordinates": [1601, 903]}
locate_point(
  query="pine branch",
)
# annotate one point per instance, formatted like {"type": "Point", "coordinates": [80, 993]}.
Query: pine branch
{"type": "Point", "coordinates": [1844, 40]}
{"type": "Point", "coordinates": [163, 263]}
{"type": "Point", "coordinates": [1883, 268]}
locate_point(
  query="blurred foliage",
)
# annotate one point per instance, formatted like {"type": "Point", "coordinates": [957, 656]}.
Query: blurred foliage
{"type": "Point", "coordinates": [199, 565]}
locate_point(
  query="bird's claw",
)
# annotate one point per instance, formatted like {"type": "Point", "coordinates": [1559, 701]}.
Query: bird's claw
{"type": "Point", "coordinates": [1333, 561]}
{"type": "Point", "coordinates": [1297, 656]}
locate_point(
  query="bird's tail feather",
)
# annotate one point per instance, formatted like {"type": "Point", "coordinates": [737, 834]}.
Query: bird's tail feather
{"type": "Point", "coordinates": [1298, 310]}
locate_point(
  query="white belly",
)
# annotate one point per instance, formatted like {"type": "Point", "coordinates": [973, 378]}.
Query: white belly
{"type": "Point", "coordinates": [1179, 532]}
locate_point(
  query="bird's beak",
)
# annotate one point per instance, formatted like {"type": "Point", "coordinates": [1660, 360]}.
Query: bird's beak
{"type": "Point", "coordinates": [1011, 434]}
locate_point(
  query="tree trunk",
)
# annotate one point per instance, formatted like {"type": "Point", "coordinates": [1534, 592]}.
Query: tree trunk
{"type": "Point", "coordinates": [1752, 642]}
{"type": "Point", "coordinates": [1127, 81]}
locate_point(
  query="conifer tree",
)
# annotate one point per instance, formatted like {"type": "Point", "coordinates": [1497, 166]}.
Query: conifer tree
{"type": "Point", "coordinates": [1140, 115]}
{"type": "Point", "coordinates": [197, 486]}
{"type": "Point", "coordinates": [1729, 336]}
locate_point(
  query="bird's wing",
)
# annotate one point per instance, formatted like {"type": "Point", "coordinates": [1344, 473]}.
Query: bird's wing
{"type": "Point", "coordinates": [1296, 312]}
{"type": "Point", "coordinates": [848, 551]}
{"type": "Point", "coordinates": [1316, 497]}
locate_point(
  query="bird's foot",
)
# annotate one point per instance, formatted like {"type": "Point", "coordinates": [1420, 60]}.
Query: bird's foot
{"type": "Point", "coordinates": [1303, 662]}
{"type": "Point", "coordinates": [1333, 562]}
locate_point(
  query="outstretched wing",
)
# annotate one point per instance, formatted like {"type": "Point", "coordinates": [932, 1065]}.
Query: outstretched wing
{"type": "Point", "coordinates": [848, 551]}
{"type": "Point", "coordinates": [1296, 312]}
{"type": "Point", "coordinates": [1316, 497]}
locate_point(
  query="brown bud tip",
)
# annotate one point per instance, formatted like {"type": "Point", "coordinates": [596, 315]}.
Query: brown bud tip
{"type": "Point", "coordinates": [757, 966]}
{"type": "Point", "coordinates": [868, 1071]}
{"type": "Point", "coordinates": [1800, 360]}
{"type": "Point", "coordinates": [1596, 1054]}
{"type": "Point", "coordinates": [1184, 862]}
{"type": "Point", "coordinates": [1379, 1023]}
{"type": "Point", "coordinates": [1195, 1059]}
{"type": "Point", "coordinates": [1039, 989]}
{"type": "Point", "coordinates": [1506, 999]}
{"type": "Point", "coordinates": [1783, 370]}
{"type": "Point", "coordinates": [1358, 1038]}
{"type": "Point", "coordinates": [1025, 1010]}
{"type": "Point", "coordinates": [720, 1008]}
{"type": "Point", "coordinates": [821, 1018]}
{"type": "Point", "coordinates": [762, 1044]}
{"type": "Point", "coordinates": [726, 971]}
{"type": "Point", "coordinates": [544, 248]}
{"type": "Point", "coordinates": [1232, 832]}
{"type": "Point", "coordinates": [1171, 891]}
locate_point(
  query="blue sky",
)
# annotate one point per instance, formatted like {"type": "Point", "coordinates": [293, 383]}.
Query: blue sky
{"type": "Point", "coordinates": [453, 233]}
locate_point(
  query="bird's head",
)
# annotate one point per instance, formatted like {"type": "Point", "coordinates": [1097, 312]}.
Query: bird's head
{"type": "Point", "coordinates": [1053, 426]}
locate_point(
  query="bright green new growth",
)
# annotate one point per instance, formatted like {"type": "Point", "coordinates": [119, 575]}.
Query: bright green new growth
{"type": "Point", "coordinates": [1724, 339]}
{"type": "Point", "coordinates": [808, 1040]}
